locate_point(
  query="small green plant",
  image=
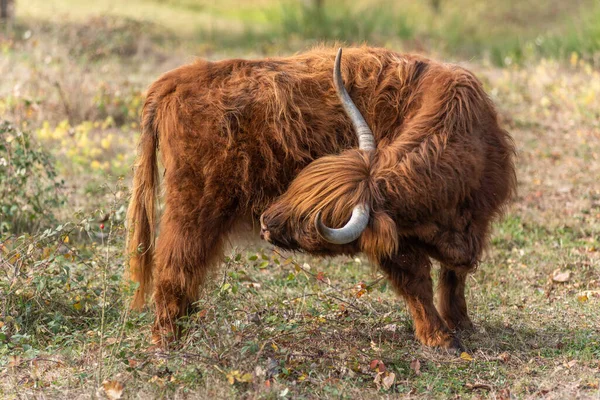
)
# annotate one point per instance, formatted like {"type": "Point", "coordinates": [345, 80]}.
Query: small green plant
{"type": "Point", "coordinates": [29, 186]}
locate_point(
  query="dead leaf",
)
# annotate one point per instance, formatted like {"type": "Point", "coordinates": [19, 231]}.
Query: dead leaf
{"type": "Point", "coordinates": [584, 296]}
{"type": "Point", "coordinates": [415, 365]}
{"type": "Point", "coordinates": [237, 376]}
{"type": "Point", "coordinates": [231, 376]}
{"type": "Point", "coordinates": [273, 367]}
{"type": "Point", "coordinates": [377, 365]}
{"type": "Point", "coordinates": [561, 276]}
{"type": "Point", "coordinates": [385, 379]}
{"type": "Point", "coordinates": [157, 380]}
{"type": "Point", "coordinates": [466, 356]}
{"type": "Point", "coordinates": [388, 380]}
{"type": "Point", "coordinates": [570, 364]}
{"type": "Point", "coordinates": [590, 385]}
{"type": "Point", "coordinates": [374, 346]}
{"type": "Point", "coordinates": [478, 385]}
{"type": "Point", "coordinates": [259, 371]}
{"type": "Point", "coordinates": [504, 357]}
{"type": "Point", "coordinates": [113, 389]}
{"type": "Point", "coordinates": [14, 361]}
{"type": "Point", "coordinates": [377, 380]}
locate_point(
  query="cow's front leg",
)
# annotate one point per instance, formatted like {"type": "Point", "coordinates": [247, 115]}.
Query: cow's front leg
{"type": "Point", "coordinates": [409, 272]}
{"type": "Point", "coordinates": [451, 298]}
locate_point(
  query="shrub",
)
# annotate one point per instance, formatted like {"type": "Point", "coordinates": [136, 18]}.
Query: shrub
{"type": "Point", "coordinates": [63, 285]}
{"type": "Point", "coordinates": [30, 190]}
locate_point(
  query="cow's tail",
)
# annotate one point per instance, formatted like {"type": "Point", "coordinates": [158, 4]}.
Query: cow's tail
{"type": "Point", "coordinates": [141, 215]}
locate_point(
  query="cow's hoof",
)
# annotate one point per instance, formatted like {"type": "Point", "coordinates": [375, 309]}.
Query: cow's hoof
{"type": "Point", "coordinates": [163, 338]}
{"type": "Point", "coordinates": [455, 346]}
{"type": "Point", "coordinates": [443, 339]}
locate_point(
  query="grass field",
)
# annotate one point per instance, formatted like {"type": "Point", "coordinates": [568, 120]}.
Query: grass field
{"type": "Point", "coordinates": [269, 324]}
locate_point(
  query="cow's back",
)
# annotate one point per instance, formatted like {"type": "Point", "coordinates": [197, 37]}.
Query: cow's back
{"type": "Point", "coordinates": [257, 123]}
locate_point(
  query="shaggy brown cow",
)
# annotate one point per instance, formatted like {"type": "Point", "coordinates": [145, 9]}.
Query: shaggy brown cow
{"type": "Point", "coordinates": [239, 138]}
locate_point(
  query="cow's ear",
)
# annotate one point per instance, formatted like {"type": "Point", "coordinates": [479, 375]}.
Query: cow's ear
{"type": "Point", "coordinates": [380, 239]}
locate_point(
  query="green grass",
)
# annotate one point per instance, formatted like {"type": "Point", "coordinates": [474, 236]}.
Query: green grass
{"type": "Point", "coordinates": [272, 325]}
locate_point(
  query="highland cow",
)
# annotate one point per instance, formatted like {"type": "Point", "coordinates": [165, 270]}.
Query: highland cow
{"type": "Point", "coordinates": [276, 140]}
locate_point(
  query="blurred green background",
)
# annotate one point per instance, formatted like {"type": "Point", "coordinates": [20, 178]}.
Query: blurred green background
{"type": "Point", "coordinates": [500, 32]}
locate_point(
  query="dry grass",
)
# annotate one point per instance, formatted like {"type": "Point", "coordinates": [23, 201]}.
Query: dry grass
{"type": "Point", "coordinates": [275, 325]}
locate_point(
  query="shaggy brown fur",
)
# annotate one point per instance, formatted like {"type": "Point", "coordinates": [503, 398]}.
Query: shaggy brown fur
{"type": "Point", "coordinates": [239, 138]}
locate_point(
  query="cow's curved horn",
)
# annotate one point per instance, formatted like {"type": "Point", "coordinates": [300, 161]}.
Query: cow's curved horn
{"type": "Point", "coordinates": [349, 232]}
{"type": "Point", "coordinates": [366, 140]}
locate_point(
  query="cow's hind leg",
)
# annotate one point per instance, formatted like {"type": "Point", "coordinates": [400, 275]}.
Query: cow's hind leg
{"type": "Point", "coordinates": [452, 304]}
{"type": "Point", "coordinates": [189, 246]}
{"type": "Point", "coordinates": [409, 272]}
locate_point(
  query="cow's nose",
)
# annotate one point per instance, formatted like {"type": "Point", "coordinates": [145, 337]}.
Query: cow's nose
{"type": "Point", "coordinates": [265, 235]}
{"type": "Point", "coordinates": [264, 232]}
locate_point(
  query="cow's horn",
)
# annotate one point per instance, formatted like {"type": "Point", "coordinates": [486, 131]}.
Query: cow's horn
{"type": "Point", "coordinates": [366, 140]}
{"type": "Point", "coordinates": [349, 232]}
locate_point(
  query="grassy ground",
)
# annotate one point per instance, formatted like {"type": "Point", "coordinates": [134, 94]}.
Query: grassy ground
{"type": "Point", "coordinates": [273, 325]}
